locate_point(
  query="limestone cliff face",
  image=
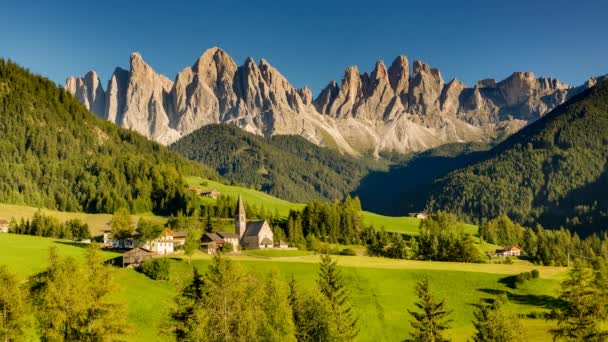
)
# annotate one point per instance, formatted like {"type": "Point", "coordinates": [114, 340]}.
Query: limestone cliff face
{"type": "Point", "coordinates": [88, 90]}
{"type": "Point", "coordinates": [387, 109]}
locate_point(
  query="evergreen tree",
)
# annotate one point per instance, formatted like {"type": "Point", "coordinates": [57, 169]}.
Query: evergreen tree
{"type": "Point", "coordinates": [312, 315]}
{"type": "Point", "coordinates": [209, 223]}
{"type": "Point", "coordinates": [188, 321]}
{"type": "Point", "coordinates": [331, 285]}
{"type": "Point", "coordinates": [580, 320]}
{"type": "Point", "coordinates": [13, 308]}
{"type": "Point", "coordinates": [278, 323]}
{"type": "Point", "coordinates": [433, 320]}
{"type": "Point", "coordinates": [495, 324]}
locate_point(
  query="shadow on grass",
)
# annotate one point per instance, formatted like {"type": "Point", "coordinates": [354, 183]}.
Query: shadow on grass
{"type": "Point", "coordinates": [541, 301]}
{"type": "Point", "coordinates": [73, 244]}
{"type": "Point", "coordinates": [510, 281]}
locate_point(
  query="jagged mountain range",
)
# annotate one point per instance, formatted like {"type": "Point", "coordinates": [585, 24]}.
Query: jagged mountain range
{"type": "Point", "coordinates": [389, 109]}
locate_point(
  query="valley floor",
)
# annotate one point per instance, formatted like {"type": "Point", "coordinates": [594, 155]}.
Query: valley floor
{"type": "Point", "coordinates": [382, 289]}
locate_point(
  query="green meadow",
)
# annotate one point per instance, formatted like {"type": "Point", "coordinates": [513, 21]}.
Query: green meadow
{"type": "Point", "coordinates": [381, 289]}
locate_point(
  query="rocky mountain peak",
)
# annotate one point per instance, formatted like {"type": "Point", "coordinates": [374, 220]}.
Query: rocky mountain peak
{"type": "Point", "coordinates": [399, 77]}
{"type": "Point", "coordinates": [425, 88]}
{"type": "Point", "coordinates": [385, 109]}
{"type": "Point", "coordinates": [88, 90]}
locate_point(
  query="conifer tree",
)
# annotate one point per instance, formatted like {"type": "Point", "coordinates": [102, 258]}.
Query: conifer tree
{"type": "Point", "coordinates": [580, 320]}
{"type": "Point", "coordinates": [312, 315]}
{"type": "Point", "coordinates": [433, 320]}
{"type": "Point", "coordinates": [209, 223]}
{"type": "Point", "coordinates": [278, 323]}
{"type": "Point", "coordinates": [331, 285]}
{"type": "Point", "coordinates": [13, 308]}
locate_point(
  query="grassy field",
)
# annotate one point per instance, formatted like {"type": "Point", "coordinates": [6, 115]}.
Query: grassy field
{"type": "Point", "coordinates": [277, 253]}
{"type": "Point", "coordinates": [382, 289]}
{"type": "Point", "coordinates": [96, 222]}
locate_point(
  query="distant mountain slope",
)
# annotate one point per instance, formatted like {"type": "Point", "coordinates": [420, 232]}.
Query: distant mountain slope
{"type": "Point", "coordinates": [386, 109]}
{"type": "Point", "coordinates": [54, 153]}
{"type": "Point", "coordinates": [288, 167]}
{"type": "Point", "coordinates": [405, 186]}
{"type": "Point", "coordinates": [553, 172]}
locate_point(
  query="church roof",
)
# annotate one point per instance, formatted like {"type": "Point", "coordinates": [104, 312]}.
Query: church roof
{"type": "Point", "coordinates": [253, 228]}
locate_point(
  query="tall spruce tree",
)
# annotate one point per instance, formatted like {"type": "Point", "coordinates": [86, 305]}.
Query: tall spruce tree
{"type": "Point", "coordinates": [312, 315]}
{"type": "Point", "coordinates": [580, 319]}
{"type": "Point", "coordinates": [278, 324]}
{"type": "Point", "coordinates": [433, 320]}
{"type": "Point", "coordinates": [331, 285]}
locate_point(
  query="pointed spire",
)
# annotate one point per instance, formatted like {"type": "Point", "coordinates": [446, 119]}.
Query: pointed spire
{"type": "Point", "coordinates": [240, 219]}
{"type": "Point", "coordinates": [240, 209]}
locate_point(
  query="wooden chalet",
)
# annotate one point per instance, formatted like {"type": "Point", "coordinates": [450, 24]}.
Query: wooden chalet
{"type": "Point", "coordinates": [136, 256]}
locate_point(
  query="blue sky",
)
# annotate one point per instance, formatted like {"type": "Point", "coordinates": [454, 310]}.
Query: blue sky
{"type": "Point", "coordinates": [311, 42]}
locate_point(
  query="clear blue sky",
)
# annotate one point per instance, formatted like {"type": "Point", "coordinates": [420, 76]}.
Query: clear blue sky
{"type": "Point", "coordinates": [311, 42]}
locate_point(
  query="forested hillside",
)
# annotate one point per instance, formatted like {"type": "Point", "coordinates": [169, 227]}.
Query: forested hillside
{"type": "Point", "coordinates": [288, 167]}
{"type": "Point", "coordinates": [404, 188]}
{"type": "Point", "coordinates": [55, 154]}
{"type": "Point", "coordinates": [553, 172]}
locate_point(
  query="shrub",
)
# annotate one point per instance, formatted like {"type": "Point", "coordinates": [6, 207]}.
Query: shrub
{"type": "Point", "coordinates": [348, 251]}
{"type": "Point", "coordinates": [157, 269]}
{"type": "Point", "coordinates": [508, 261]}
{"type": "Point", "coordinates": [535, 274]}
{"type": "Point", "coordinates": [227, 248]}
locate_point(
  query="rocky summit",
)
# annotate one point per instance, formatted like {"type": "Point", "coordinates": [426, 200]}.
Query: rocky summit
{"type": "Point", "coordinates": [389, 109]}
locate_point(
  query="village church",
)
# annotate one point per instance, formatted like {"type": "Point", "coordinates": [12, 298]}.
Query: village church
{"type": "Point", "coordinates": [252, 234]}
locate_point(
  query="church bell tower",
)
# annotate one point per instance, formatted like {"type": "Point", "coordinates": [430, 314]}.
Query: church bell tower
{"type": "Point", "coordinates": [240, 220]}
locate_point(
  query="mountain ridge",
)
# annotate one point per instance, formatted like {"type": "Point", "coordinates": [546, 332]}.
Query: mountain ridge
{"type": "Point", "coordinates": [553, 172]}
{"type": "Point", "coordinates": [388, 109]}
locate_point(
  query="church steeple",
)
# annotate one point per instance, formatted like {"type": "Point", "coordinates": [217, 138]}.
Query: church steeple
{"type": "Point", "coordinates": [240, 220]}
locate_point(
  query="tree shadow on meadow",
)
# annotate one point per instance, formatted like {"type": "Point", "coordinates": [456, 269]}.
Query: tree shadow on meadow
{"type": "Point", "coordinates": [72, 244]}
{"type": "Point", "coordinates": [541, 301]}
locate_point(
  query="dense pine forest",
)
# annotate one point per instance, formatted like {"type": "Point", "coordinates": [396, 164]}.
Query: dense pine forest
{"type": "Point", "coordinates": [553, 172]}
{"type": "Point", "coordinates": [288, 167]}
{"type": "Point", "coordinates": [55, 154]}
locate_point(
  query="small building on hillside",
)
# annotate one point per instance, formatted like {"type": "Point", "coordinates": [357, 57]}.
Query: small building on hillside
{"type": "Point", "coordinates": [179, 238]}
{"type": "Point", "coordinates": [162, 245]}
{"type": "Point", "coordinates": [230, 238]}
{"type": "Point", "coordinates": [211, 243]}
{"type": "Point", "coordinates": [136, 256]}
{"type": "Point", "coordinates": [196, 190]}
{"type": "Point", "coordinates": [509, 251]}
{"type": "Point", "coordinates": [4, 226]}
{"type": "Point", "coordinates": [419, 215]}
{"type": "Point", "coordinates": [110, 242]}
{"type": "Point", "coordinates": [213, 193]}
